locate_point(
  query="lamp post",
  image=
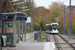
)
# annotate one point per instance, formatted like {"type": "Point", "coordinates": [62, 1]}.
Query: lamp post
{"type": "Point", "coordinates": [70, 20]}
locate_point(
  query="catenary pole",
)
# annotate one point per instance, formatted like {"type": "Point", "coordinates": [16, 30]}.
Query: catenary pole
{"type": "Point", "coordinates": [64, 20]}
{"type": "Point", "coordinates": [70, 19]}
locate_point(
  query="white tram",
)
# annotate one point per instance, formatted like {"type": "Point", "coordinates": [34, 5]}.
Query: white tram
{"type": "Point", "coordinates": [52, 28]}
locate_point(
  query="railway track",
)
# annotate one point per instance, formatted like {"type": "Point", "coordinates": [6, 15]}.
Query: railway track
{"type": "Point", "coordinates": [58, 45]}
{"type": "Point", "coordinates": [67, 42]}
{"type": "Point", "coordinates": [61, 43]}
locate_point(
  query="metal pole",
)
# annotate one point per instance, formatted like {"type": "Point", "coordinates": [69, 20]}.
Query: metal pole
{"type": "Point", "coordinates": [64, 20]}
{"type": "Point", "coordinates": [57, 19]}
{"type": "Point", "coordinates": [31, 27]}
{"type": "Point", "coordinates": [19, 30]}
{"type": "Point", "coordinates": [22, 31]}
{"type": "Point", "coordinates": [25, 30]}
{"type": "Point", "coordinates": [57, 16]}
{"type": "Point", "coordinates": [70, 20]}
{"type": "Point", "coordinates": [46, 19]}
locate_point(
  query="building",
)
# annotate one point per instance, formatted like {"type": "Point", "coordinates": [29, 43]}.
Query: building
{"type": "Point", "coordinates": [72, 16]}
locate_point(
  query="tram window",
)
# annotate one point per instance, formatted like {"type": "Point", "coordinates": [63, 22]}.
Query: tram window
{"type": "Point", "coordinates": [10, 25]}
{"type": "Point", "coordinates": [54, 25]}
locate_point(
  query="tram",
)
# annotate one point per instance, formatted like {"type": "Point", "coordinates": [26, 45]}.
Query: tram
{"type": "Point", "coordinates": [52, 28]}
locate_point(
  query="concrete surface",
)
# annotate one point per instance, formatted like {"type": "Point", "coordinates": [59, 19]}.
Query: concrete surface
{"type": "Point", "coordinates": [34, 46]}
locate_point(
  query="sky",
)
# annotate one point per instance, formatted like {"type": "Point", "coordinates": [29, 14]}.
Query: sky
{"type": "Point", "coordinates": [46, 3]}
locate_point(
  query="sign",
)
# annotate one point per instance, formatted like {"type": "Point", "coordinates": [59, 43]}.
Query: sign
{"type": "Point", "coordinates": [22, 18]}
{"type": "Point", "coordinates": [28, 22]}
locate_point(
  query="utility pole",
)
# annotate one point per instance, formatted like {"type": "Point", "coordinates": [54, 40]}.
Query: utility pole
{"type": "Point", "coordinates": [70, 19]}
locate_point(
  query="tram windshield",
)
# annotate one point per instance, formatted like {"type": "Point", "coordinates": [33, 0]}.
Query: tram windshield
{"type": "Point", "coordinates": [55, 26]}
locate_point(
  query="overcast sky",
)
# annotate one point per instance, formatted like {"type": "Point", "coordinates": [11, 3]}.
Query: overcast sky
{"type": "Point", "coordinates": [46, 3]}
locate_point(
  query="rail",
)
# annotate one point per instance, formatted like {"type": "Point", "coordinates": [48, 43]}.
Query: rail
{"type": "Point", "coordinates": [67, 42]}
{"type": "Point", "coordinates": [57, 42]}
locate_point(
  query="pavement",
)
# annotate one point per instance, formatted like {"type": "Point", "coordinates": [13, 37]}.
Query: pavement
{"type": "Point", "coordinates": [29, 38]}
{"type": "Point", "coordinates": [34, 46]}
{"type": "Point", "coordinates": [20, 45]}
{"type": "Point", "coordinates": [31, 44]}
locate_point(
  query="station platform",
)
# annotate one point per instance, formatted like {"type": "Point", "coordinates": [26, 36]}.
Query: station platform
{"type": "Point", "coordinates": [34, 46]}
